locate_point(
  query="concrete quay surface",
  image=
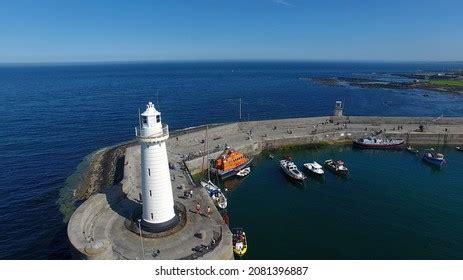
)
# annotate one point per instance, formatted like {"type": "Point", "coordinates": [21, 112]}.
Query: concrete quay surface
{"type": "Point", "coordinates": [97, 228]}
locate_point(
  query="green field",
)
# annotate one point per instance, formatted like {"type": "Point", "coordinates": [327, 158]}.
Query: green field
{"type": "Point", "coordinates": [449, 83]}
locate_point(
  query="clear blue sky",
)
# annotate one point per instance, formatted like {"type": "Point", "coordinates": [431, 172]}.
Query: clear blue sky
{"type": "Point", "coordinates": [98, 30]}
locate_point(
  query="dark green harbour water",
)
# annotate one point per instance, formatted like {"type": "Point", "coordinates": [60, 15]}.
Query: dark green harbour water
{"type": "Point", "coordinates": [392, 206]}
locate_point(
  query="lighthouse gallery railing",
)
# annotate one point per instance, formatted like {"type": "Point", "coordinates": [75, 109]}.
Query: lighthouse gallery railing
{"type": "Point", "coordinates": [139, 132]}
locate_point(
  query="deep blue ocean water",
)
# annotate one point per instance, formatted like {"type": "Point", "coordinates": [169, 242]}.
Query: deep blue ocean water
{"type": "Point", "coordinates": [54, 115]}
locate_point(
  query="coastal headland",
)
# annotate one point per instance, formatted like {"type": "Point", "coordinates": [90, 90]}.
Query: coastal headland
{"type": "Point", "coordinates": [103, 226]}
{"type": "Point", "coordinates": [449, 85]}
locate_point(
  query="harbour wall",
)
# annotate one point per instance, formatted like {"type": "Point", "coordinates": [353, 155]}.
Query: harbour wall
{"type": "Point", "coordinates": [273, 134]}
{"type": "Point", "coordinates": [257, 136]}
{"type": "Point", "coordinates": [375, 120]}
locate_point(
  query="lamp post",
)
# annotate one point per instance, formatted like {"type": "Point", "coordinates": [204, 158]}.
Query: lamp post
{"type": "Point", "coordinates": [240, 109]}
{"type": "Point", "coordinates": [141, 240]}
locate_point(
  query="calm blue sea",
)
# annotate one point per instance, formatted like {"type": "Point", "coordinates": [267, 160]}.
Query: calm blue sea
{"type": "Point", "coordinates": [54, 115]}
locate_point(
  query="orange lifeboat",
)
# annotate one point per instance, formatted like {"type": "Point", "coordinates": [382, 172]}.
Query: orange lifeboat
{"type": "Point", "coordinates": [230, 162]}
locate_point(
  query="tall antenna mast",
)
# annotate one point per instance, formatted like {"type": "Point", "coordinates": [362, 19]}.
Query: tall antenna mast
{"type": "Point", "coordinates": [157, 98]}
{"type": "Point", "coordinates": [240, 109]}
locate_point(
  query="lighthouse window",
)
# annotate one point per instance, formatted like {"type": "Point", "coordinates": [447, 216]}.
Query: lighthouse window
{"type": "Point", "coordinates": [158, 118]}
{"type": "Point", "coordinates": [144, 119]}
{"type": "Point", "coordinates": [152, 216]}
{"type": "Point", "coordinates": [149, 172]}
{"type": "Point", "coordinates": [151, 193]}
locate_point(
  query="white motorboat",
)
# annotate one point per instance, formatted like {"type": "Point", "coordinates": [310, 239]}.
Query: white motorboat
{"type": "Point", "coordinates": [244, 172]}
{"type": "Point", "coordinates": [337, 167]}
{"type": "Point", "coordinates": [412, 150]}
{"type": "Point", "coordinates": [314, 167]}
{"type": "Point", "coordinates": [291, 170]}
{"type": "Point", "coordinates": [219, 199]}
{"type": "Point", "coordinates": [378, 143]}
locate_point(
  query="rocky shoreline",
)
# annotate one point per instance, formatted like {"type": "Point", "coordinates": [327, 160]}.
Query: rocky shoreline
{"type": "Point", "coordinates": [106, 168]}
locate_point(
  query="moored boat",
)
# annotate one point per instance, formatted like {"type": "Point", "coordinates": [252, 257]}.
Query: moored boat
{"type": "Point", "coordinates": [337, 167]}
{"type": "Point", "coordinates": [240, 242]}
{"type": "Point", "coordinates": [213, 190]}
{"type": "Point", "coordinates": [230, 162]}
{"type": "Point", "coordinates": [291, 170]}
{"type": "Point", "coordinates": [459, 149]}
{"type": "Point", "coordinates": [378, 143]}
{"type": "Point", "coordinates": [219, 198]}
{"type": "Point", "coordinates": [433, 158]}
{"type": "Point", "coordinates": [244, 172]}
{"type": "Point", "coordinates": [412, 150]}
{"type": "Point", "coordinates": [314, 168]}
{"type": "Point", "coordinates": [215, 193]}
{"type": "Point", "coordinates": [208, 185]}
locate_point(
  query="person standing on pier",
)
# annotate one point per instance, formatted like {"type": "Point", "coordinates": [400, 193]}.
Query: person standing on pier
{"type": "Point", "coordinates": [198, 208]}
{"type": "Point", "coordinates": [209, 211]}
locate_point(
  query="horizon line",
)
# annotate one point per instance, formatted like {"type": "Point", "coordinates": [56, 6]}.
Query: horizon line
{"type": "Point", "coordinates": [224, 60]}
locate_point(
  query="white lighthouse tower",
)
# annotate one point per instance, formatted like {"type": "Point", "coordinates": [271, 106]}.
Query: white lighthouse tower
{"type": "Point", "coordinates": [158, 202]}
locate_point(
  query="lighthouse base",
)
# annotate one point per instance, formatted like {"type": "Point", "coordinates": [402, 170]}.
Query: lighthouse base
{"type": "Point", "coordinates": [159, 227]}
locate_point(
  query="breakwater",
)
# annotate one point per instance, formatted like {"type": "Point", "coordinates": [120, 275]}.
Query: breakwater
{"type": "Point", "coordinates": [105, 169]}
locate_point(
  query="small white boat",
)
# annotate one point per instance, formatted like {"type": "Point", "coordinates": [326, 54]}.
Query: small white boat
{"type": "Point", "coordinates": [291, 170]}
{"type": "Point", "coordinates": [314, 167]}
{"type": "Point", "coordinates": [412, 150]}
{"type": "Point", "coordinates": [244, 172]}
{"type": "Point", "coordinates": [215, 193]}
{"type": "Point", "coordinates": [220, 200]}
{"type": "Point", "coordinates": [433, 158]}
{"type": "Point", "coordinates": [337, 167]}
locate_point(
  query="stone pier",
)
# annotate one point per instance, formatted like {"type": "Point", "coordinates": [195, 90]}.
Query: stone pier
{"type": "Point", "coordinates": [103, 228]}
